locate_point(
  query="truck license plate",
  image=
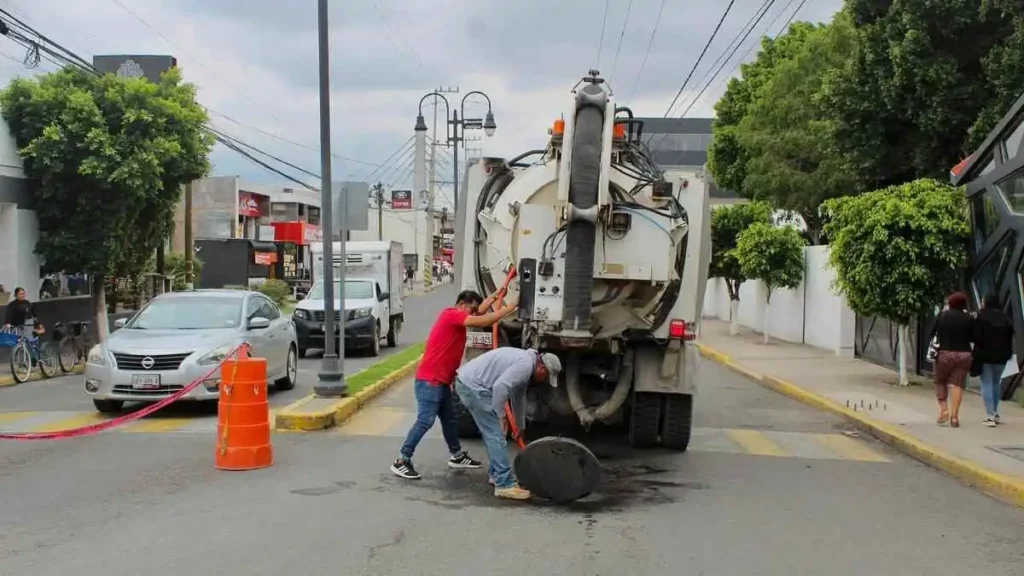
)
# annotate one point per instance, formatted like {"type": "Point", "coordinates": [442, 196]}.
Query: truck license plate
{"type": "Point", "coordinates": [145, 381]}
{"type": "Point", "coordinates": [479, 340]}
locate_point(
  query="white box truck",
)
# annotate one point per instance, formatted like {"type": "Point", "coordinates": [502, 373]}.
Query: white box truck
{"type": "Point", "coordinates": [374, 310]}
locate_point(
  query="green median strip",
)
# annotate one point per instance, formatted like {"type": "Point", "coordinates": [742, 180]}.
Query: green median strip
{"type": "Point", "coordinates": [314, 413]}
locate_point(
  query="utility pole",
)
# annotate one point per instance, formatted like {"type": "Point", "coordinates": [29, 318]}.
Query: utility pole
{"type": "Point", "coordinates": [378, 195]}
{"type": "Point", "coordinates": [428, 260]}
{"type": "Point", "coordinates": [190, 252]}
{"type": "Point", "coordinates": [331, 378]}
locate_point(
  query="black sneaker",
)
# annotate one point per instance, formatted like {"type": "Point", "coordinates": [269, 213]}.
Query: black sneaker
{"type": "Point", "coordinates": [404, 469]}
{"type": "Point", "coordinates": [463, 461]}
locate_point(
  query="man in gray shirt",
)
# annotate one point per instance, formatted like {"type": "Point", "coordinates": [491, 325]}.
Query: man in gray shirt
{"type": "Point", "coordinates": [484, 384]}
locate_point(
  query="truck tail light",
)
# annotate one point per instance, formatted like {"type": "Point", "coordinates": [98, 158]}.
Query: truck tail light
{"type": "Point", "coordinates": [681, 330]}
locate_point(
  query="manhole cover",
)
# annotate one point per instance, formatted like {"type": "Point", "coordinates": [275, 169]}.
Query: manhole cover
{"type": "Point", "coordinates": [1015, 452]}
{"type": "Point", "coordinates": [558, 469]}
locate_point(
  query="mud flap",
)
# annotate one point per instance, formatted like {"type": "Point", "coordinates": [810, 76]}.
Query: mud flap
{"type": "Point", "coordinates": [558, 469]}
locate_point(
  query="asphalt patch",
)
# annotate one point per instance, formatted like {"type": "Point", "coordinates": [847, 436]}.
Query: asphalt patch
{"type": "Point", "coordinates": [324, 490]}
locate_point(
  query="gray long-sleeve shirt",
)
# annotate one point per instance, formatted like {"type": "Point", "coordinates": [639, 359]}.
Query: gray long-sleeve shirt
{"type": "Point", "coordinates": [505, 373]}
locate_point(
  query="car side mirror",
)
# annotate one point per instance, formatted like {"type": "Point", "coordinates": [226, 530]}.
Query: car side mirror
{"type": "Point", "coordinates": [383, 296]}
{"type": "Point", "coordinates": [258, 323]}
{"type": "Point", "coordinates": [120, 322]}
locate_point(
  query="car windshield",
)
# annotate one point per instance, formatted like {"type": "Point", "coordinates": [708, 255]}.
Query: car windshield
{"type": "Point", "coordinates": [354, 289]}
{"type": "Point", "coordinates": [188, 313]}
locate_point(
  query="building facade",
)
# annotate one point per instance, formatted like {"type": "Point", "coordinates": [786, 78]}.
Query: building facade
{"type": "Point", "coordinates": [682, 144]}
{"type": "Point", "coordinates": [994, 180]}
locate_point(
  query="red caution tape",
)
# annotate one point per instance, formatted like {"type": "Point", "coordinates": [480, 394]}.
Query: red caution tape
{"type": "Point", "coordinates": [114, 422]}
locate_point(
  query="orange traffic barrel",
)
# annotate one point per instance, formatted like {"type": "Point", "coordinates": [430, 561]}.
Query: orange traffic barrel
{"type": "Point", "coordinates": [243, 415]}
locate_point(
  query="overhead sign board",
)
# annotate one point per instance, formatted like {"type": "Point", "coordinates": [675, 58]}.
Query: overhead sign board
{"type": "Point", "coordinates": [401, 199]}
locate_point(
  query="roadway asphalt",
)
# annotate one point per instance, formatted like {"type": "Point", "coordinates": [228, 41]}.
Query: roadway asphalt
{"type": "Point", "coordinates": [64, 398]}
{"type": "Point", "coordinates": [769, 487]}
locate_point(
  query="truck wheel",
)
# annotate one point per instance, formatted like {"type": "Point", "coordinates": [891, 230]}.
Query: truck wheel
{"type": "Point", "coordinates": [395, 326]}
{"type": "Point", "coordinates": [375, 342]}
{"type": "Point", "coordinates": [678, 421]}
{"type": "Point", "coordinates": [466, 424]}
{"type": "Point", "coordinates": [644, 419]}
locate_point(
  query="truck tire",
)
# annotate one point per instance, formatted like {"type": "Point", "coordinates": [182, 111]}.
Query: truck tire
{"type": "Point", "coordinates": [677, 423]}
{"type": "Point", "coordinates": [467, 426]}
{"type": "Point", "coordinates": [644, 419]}
{"type": "Point", "coordinates": [393, 329]}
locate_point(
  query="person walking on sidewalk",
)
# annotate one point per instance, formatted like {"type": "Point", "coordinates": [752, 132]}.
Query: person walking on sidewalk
{"type": "Point", "coordinates": [484, 384]}
{"type": "Point", "coordinates": [433, 381]}
{"type": "Point", "coordinates": [993, 348]}
{"type": "Point", "coordinates": [955, 332]}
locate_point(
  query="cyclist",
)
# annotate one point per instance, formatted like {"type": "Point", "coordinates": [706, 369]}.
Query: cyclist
{"type": "Point", "coordinates": [20, 312]}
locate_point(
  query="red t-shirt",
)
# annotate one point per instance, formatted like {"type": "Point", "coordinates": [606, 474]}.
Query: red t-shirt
{"type": "Point", "coordinates": [444, 349]}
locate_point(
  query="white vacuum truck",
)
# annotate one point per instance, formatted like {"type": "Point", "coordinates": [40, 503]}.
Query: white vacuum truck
{"type": "Point", "coordinates": [611, 255]}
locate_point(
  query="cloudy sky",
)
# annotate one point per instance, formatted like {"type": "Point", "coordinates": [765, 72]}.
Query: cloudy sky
{"type": "Point", "coordinates": [255, 63]}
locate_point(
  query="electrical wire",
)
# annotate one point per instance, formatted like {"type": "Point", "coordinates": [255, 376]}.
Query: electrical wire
{"type": "Point", "coordinates": [647, 52]}
{"type": "Point", "coordinates": [604, 23]}
{"type": "Point", "coordinates": [411, 51]}
{"type": "Point", "coordinates": [622, 35]}
{"type": "Point", "coordinates": [701, 57]}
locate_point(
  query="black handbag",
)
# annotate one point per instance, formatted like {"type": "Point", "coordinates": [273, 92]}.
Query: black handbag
{"type": "Point", "coordinates": [975, 366]}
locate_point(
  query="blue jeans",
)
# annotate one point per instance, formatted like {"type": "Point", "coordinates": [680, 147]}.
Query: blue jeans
{"type": "Point", "coordinates": [991, 387]}
{"type": "Point", "coordinates": [479, 405]}
{"type": "Point", "coordinates": [433, 402]}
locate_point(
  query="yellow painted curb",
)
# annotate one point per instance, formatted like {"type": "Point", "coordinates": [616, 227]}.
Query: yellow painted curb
{"type": "Point", "coordinates": [9, 380]}
{"type": "Point", "coordinates": [292, 418]}
{"type": "Point", "coordinates": [1000, 485]}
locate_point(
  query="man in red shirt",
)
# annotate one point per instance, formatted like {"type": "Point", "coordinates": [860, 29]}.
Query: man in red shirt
{"type": "Point", "coordinates": [436, 373]}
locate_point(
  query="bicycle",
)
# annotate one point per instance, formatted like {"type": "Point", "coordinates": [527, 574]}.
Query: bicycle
{"type": "Point", "coordinates": [29, 351]}
{"type": "Point", "coordinates": [73, 345]}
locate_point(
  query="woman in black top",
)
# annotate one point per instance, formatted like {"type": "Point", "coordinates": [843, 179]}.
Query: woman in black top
{"type": "Point", "coordinates": [955, 332]}
{"type": "Point", "coordinates": [993, 347]}
{"type": "Point", "coordinates": [20, 311]}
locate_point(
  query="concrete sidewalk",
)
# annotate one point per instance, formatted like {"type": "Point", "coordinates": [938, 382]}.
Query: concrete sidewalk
{"type": "Point", "coordinates": [904, 417]}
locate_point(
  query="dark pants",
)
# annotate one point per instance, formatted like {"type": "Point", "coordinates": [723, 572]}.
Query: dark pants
{"type": "Point", "coordinates": [433, 402]}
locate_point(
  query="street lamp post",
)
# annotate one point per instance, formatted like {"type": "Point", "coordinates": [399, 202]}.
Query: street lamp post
{"type": "Point", "coordinates": [331, 378]}
{"type": "Point", "coordinates": [452, 135]}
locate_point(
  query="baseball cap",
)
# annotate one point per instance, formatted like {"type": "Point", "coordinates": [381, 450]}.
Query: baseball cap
{"type": "Point", "coordinates": [554, 366]}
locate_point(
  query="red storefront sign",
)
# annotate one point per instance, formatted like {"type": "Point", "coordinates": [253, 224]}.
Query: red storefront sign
{"type": "Point", "coordinates": [247, 205]}
{"type": "Point", "coordinates": [264, 258]}
{"type": "Point", "coordinates": [299, 233]}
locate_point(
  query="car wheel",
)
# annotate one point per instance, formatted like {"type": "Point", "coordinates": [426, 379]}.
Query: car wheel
{"type": "Point", "coordinates": [108, 406]}
{"type": "Point", "coordinates": [375, 342]}
{"type": "Point", "coordinates": [291, 370]}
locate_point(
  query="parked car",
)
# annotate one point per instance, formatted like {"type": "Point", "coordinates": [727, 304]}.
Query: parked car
{"type": "Point", "coordinates": [178, 337]}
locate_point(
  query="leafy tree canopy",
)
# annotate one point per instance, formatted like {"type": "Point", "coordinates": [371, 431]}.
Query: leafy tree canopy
{"type": "Point", "coordinates": [926, 81]}
{"type": "Point", "coordinates": [110, 156]}
{"type": "Point", "coordinates": [898, 252]}
{"type": "Point", "coordinates": [771, 254]}
{"type": "Point", "coordinates": [727, 223]}
{"type": "Point", "coordinates": [727, 159]}
{"type": "Point", "coordinates": [786, 133]}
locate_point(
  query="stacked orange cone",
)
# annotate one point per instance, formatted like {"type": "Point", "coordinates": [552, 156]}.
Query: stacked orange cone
{"type": "Point", "coordinates": [243, 415]}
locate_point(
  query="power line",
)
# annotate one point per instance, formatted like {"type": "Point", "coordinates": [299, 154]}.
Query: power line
{"type": "Point", "coordinates": [401, 150]}
{"type": "Point", "coordinates": [622, 35]}
{"type": "Point", "coordinates": [411, 51]}
{"type": "Point", "coordinates": [650, 43]}
{"type": "Point", "coordinates": [768, 6]}
{"type": "Point", "coordinates": [699, 58]}
{"type": "Point", "coordinates": [604, 23]}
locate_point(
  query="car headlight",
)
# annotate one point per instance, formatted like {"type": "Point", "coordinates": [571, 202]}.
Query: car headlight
{"type": "Point", "coordinates": [359, 313]}
{"type": "Point", "coordinates": [300, 313]}
{"type": "Point", "coordinates": [215, 357]}
{"type": "Point", "coordinates": [97, 355]}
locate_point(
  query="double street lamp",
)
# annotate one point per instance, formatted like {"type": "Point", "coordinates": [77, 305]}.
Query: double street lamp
{"type": "Point", "coordinates": [452, 132]}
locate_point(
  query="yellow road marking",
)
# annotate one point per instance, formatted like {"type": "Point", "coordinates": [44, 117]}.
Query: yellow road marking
{"type": "Point", "coordinates": [6, 417]}
{"type": "Point", "coordinates": [850, 449]}
{"type": "Point", "coordinates": [72, 422]}
{"type": "Point", "coordinates": [374, 422]}
{"type": "Point", "coordinates": [157, 424]}
{"type": "Point", "coordinates": [754, 442]}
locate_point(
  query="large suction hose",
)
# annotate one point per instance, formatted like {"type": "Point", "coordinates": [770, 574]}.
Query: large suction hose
{"type": "Point", "coordinates": [581, 232]}
{"type": "Point", "coordinates": [606, 410]}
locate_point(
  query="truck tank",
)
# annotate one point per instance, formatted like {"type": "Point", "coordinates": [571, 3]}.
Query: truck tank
{"type": "Point", "coordinates": [611, 255]}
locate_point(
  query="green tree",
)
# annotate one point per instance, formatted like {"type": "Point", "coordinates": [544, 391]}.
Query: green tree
{"type": "Point", "coordinates": [786, 133]}
{"type": "Point", "coordinates": [921, 75]}
{"type": "Point", "coordinates": [110, 156]}
{"type": "Point", "coordinates": [897, 252]}
{"type": "Point", "coordinates": [727, 158]}
{"type": "Point", "coordinates": [775, 256]}
{"type": "Point", "coordinates": [727, 222]}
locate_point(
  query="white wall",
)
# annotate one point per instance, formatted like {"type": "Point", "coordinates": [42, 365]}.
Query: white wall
{"type": "Point", "coordinates": [406, 226]}
{"type": "Point", "coordinates": [811, 314]}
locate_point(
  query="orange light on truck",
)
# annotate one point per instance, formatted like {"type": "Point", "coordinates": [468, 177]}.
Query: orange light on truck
{"type": "Point", "coordinates": [559, 127]}
{"type": "Point", "coordinates": [620, 131]}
